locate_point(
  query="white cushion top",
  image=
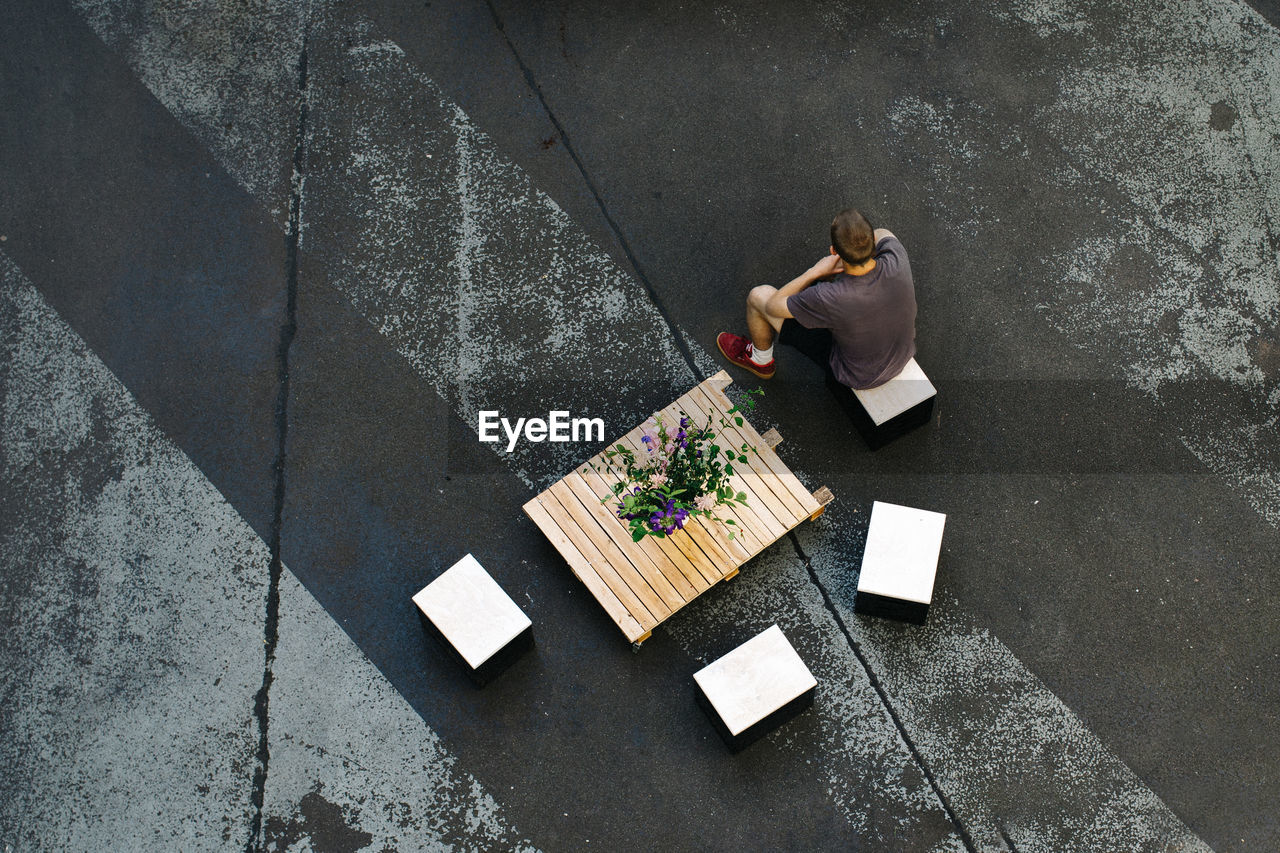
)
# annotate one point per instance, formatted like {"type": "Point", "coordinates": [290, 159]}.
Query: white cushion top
{"type": "Point", "coordinates": [909, 388]}
{"type": "Point", "coordinates": [471, 610]}
{"type": "Point", "coordinates": [754, 680]}
{"type": "Point", "coordinates": [901, 557]}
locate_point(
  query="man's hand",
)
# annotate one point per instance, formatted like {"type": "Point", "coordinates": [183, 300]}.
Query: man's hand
{"type": "Point", "coordinates": [829, 265]}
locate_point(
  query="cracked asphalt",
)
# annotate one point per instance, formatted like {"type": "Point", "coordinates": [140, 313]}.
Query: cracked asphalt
{"type": "Point", "coordinates": [262, 264]}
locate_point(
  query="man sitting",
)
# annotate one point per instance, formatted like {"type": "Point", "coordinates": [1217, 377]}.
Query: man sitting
{"type": "Point", "coordinates": [856, 310]}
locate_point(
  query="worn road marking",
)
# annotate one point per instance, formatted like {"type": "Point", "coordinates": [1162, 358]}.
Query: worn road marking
{"type": "Point", "coordinates": [128, 685]}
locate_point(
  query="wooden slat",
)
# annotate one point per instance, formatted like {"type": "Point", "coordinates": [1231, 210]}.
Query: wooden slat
{"type": "Point", "coordinates": [779, 474]}
{"type": "Point", "coordinates": [736, 551]}
{"type": "Point", "coordinates": [581, 567]}
{"type": "Point", "coordinates": [647, 615]}
{"type": "Point", "coordinates": [786, 513]}
{"type": "Point", "coordinates": [649, 585]}
{"type": "Point", "coordinates": [785, 505]}
{"type": "Point", "coordinates": [718, 381]}
{"type": "Point", "coordinates": [776, 465]}
{"type": "Point", "coordinates": [710, 571]}
{"type": "Point", "coordinates": [647, 548]}
{"type": "Point", "coordinates": [823, 496]}
{"type": "Point", "coordinates": [686, 556]}
{"type": "Point", "coordinates": [756, 532]}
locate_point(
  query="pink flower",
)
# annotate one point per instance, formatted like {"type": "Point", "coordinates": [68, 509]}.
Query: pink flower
{"type": "Point", "coordinates": [705, 503]}
{"type": "Point", "coordinates": [659, 480]}
{"type": "Point", "coordinates": [649, 434]}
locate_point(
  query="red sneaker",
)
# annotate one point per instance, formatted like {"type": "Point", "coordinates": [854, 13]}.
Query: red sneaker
{"type": "Point", "coordinates": [738, 350]}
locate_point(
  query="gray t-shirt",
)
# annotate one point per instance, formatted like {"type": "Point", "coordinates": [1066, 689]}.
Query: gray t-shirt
{"type": "Point", "coordinates": [872, 318]}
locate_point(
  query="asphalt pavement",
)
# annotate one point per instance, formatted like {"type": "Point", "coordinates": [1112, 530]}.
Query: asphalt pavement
{"type": "Point", "coordinates": [263, 265]}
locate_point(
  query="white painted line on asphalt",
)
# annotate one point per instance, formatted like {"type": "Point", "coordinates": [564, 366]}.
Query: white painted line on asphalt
{"type": "Point", "coordinates": [363, 747]}
{"type": "Point", "coordinates": [134, 642]}
{"type": "Point", "coordinates": [985, 722]}
{"type": "Point", "coordinates": [136, 592]}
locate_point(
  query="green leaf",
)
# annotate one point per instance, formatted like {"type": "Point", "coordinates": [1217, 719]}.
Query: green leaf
{"type": "Point", "coordinates": [728, 469]}
{"type": "Point", "coordinates": [738, 421]}
{"type": "Point", "coordinates": [742, 496]}
{"type": "Point", "coordinates": [637, 534]}
{"type": "Point", "coordinates": [731, 533]}
{"type": "Point", "coordinates": [730, 521]}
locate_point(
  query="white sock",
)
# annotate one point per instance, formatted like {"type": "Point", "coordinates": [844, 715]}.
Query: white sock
{"type": "Point", "coordinates": [762, 356]}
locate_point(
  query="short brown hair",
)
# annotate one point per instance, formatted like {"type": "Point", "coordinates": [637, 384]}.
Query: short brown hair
{"type": "Point", "coordinates": [852, 236]}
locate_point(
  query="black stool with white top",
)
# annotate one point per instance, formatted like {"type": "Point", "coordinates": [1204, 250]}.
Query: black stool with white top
{"type": "Point", "coordinates": [900, 562]}
{"type": "Point", "coordinates": [755, 688]}
{"type": "Point", "coordinates": [891, 410]}
{"type": "Point", "coordinates": [472, 617]}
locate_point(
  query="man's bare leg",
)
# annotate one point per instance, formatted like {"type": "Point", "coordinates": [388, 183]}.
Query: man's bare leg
{"type": "Point", "coordinates": [761, 325]}
{"type": "Point", "coordinates": [754, 352]}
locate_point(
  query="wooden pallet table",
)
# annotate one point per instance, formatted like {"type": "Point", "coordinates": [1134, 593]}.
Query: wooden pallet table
{"type": "Point", "coordinates": [641, 584]}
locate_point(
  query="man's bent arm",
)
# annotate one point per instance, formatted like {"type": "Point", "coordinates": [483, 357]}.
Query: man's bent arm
{"type": "Point", "coordinates": [880, 233]}
{"type": "Point", "coordinates": [825, 268]}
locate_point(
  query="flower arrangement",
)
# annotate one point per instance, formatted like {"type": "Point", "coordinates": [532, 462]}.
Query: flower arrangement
{"type": "Point", "coordinates": [682, 474]}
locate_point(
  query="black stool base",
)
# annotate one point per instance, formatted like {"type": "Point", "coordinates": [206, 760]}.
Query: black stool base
{"type": "Point", "coordinates": [878, 436]}
{"type": "Point", "coordinates": [753, 733]}
{"type": "Point", "coordinates": [491, 668]}
{"type": "Point", "coordinates": [870, 604]}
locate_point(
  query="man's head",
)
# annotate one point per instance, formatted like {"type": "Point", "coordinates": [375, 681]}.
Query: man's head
{"type": "Point", "coordinates": [852, 237]}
